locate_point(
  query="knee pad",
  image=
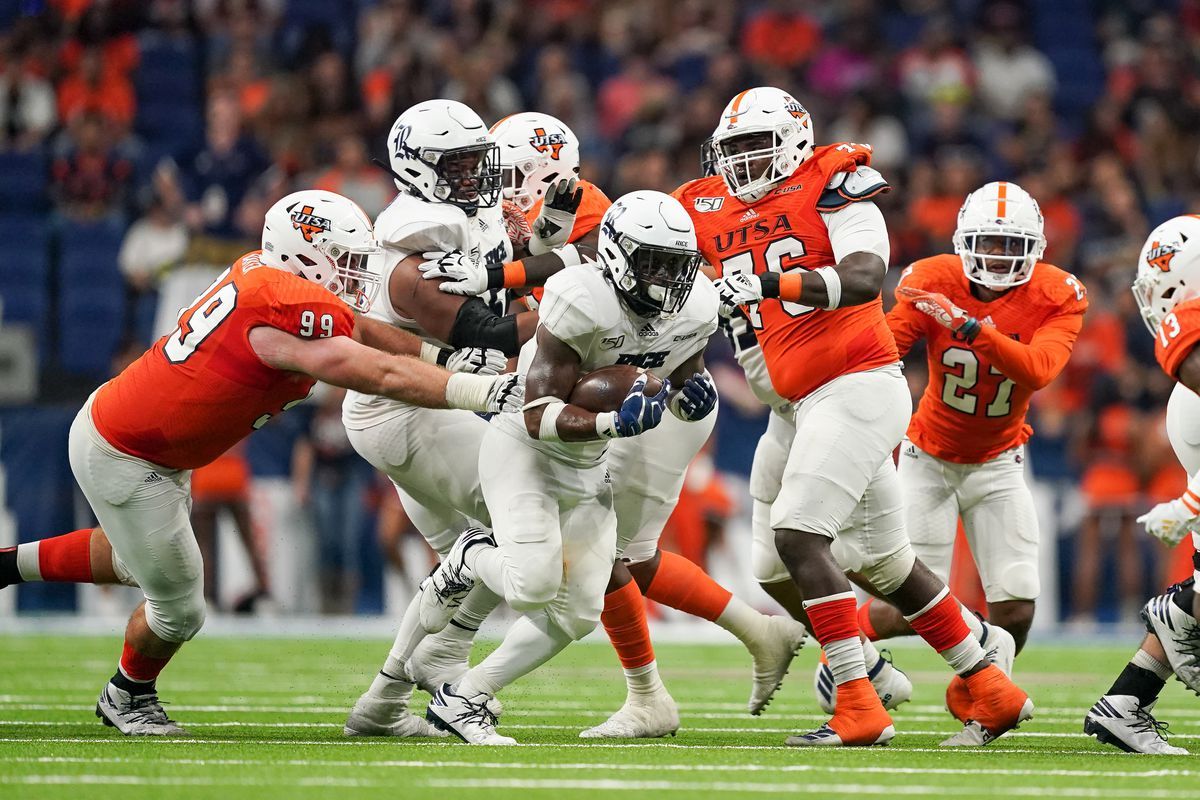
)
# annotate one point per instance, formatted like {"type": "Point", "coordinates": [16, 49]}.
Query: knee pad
{"type": "Point", "coordinates": [640, 551]}
{"type": "Point", "coordinates": [889, 572]}
{"type": "Point", "coordinates": [765, 562]}
{"type": "Point", "coordinates": [1018, 581]}
{"type": "Point", "coordinates": [176, 620]}
{"type": "Point", "coordinates": [536, 583]}
{"type": "Point", "coordinates": [576, 625]}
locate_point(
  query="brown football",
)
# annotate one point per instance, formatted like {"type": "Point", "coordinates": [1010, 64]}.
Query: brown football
{"type": "Point", "coordinates": [604, 389]}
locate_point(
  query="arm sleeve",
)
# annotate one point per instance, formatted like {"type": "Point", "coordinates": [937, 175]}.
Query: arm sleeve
{"type": "Point", "coordinates": [907, 325]}
{"type": "Point", "coordinates": [1035, 364]}
{"type": "Point", "coordinates": [858, 228]}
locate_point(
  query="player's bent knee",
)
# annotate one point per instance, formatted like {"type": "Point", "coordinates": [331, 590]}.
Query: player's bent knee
{"type": "Point", "coordinates": [536, 584]}
{"type": "Point", "coordinates": [766, 564]}
{"type": "Point", "coordinates": [888, 573]}
{"type": "Point", "coordinates": [124, 576]}
{"type": "Point", "coordinates": [578, 626]}
{"type": "Point", "coordinates": [176, 620]}
{"type": "Point", "coordinates": [1018, 582]}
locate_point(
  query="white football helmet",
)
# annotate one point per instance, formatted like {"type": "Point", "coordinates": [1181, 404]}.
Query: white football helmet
{"type": "Point", "coordinates": [999, 236]}
{"type": "Point", "coordinates": [1168, 271]}
{"type": "Point", "coordinates": [763, 136]}
{"type": "Point", "coordinates": [647, 247]}
{"type": "Point", "coordinates": [441, 151]}
{"type": "Point", "coordinates": [536, 150]}
{"type": "Point", "coordinates": [325, 238]}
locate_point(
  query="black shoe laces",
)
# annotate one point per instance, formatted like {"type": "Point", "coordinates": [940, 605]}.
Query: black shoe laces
{"type": "Point", "coordinates": [478, 713]}
{"type": "Point", "coordinates": [146, 708]}
{"type": "Point", "coordinates": [1146, 723]}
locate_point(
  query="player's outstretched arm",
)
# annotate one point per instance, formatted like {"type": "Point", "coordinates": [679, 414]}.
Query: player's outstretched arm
{"type": "Point", "coordinates": [457, 273]}
{"type": "Point", "coordinates": [1035, 364]}
{"type": "Point", "coordinates": [341, 361]}
{"type": "Point", "coordinates": [387, 338]}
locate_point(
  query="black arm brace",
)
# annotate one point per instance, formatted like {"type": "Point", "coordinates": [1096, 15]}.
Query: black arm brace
{"type": "Point", "coordinates": [478, 326]}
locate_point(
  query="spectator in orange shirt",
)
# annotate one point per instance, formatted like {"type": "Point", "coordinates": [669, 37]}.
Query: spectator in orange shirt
{"type": "Point", "coordinates": [780, 36]}
{"type": "Point", "coordinates": [92, 89]}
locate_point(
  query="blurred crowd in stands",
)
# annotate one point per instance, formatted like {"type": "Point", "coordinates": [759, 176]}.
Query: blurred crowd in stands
{"type": "Point", "coordinates": [178, 123]}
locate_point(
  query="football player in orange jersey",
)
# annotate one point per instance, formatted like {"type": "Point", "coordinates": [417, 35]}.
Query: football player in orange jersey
{"type": "Point", "coordinates": [251, 346]}
{"type": "Point", "coordinates": [999, 324]}
{"type": "Point", "coordinates": [647, 471]}
{"type": "Point", "coordinates": [1167, 291]}
{"type": "Point", "coordinates": [801, 248]}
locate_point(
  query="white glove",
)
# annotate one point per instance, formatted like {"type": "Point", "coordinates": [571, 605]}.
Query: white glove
{"type": "Point", "coordinates": [1169, 522]}
{"type": "Point", "coordinates": [738, 289]}
{"type": "Point", "coordinates": [507, 394]}
{"type": "Point", "coordinates": [556, 220]}
{"type": "Point", "coordinates": [460, 273]}
{"type": "Point", "coordinates": [476, 361]}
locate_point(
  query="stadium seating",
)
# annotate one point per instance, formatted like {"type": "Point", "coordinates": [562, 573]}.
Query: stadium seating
{"type": "Point", "coordinates": [91, 308]}
{"type": "Point", "coordinates": [23, 181]}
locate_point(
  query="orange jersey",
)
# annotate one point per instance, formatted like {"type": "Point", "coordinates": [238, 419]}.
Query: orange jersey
{"type": "Point", "coordinates": [587, 216]}
{"type": "Point", "coordinates": [975, 403]}
{"type": "Point", "coordinates": [1178, 334]}
{"type": "Point", "coordinates": [804, 348]}
{"type": "Point", "coordinates": [200, 389]}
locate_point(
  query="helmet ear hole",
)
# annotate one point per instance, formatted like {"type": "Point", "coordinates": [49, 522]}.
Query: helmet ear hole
{"type": "Point", "coordinates": [305, 260]}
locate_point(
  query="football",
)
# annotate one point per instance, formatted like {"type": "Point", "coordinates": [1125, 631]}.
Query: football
{"type": "Point", "coordinates": [604, 389]}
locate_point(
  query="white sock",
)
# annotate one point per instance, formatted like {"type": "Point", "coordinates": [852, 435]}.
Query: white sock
{"type": "Point", "coordinates": [870, 654]}
{"type": "Point", "coordinates": [407, 638]}
{"type": "Point", "coordinates": [742, 621]}
{"type": "Point", "coordinates": [479, 603]}
{"type": "Point", "coordinates": [488, 565]}
{"type": "Point", "coordinates": [27, 562]}
{"type": "Point", "coordinates": [385, 687]}
{"type": "Point", "coordinates": [973, 622]}
{"type": "Point", "coordinates": [845, 657]}
{"type": "Point", "coordinates": [529, 643]}
{"type": "Point", "coordinates": [644, 680]}
{"type": "Point", "coordinates": [1151, 664]}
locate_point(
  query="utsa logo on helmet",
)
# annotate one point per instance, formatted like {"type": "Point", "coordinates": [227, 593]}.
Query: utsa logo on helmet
{"type": "Point", "coordinates": [795, 109]}
{"type": "Point", "coordinates": [308, 223]}
{"type": "Point", "coordinates": [1160, 255]}
{"type": "Point", "coordinates": [550, 143]}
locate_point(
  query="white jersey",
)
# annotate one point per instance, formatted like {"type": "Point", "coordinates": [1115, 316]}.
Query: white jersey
{"type": "Point", "coordinates": [581, 308]}
{"type": "Point", "coordinates": [1183, 427]}
{"type": "Point", "coordinates": [412, 226]}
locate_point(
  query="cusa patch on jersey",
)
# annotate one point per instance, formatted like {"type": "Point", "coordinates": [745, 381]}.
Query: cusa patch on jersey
{"type": "Point", "coordinates": [707, 204]}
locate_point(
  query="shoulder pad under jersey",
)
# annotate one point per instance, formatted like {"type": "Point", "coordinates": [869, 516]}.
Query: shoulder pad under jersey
{"type": "Point", "coordinates": [845, 188]}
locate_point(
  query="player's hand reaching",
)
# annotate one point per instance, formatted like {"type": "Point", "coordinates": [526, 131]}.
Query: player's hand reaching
{"type": "Point", "coordinates": [961, 325]}
{"type": "Point", "coordinates": [1169, 522]}
{"type": "Point", "coordinates": [507, 394]}
{"type": "Point", "coordinates": [556, 220]}
{"type": "Point", "coordinates": [696, 399]}
{"type": "Point", "coordinates": [516, 225]}
{"type": "Point", "coordinates": [460, 273]}
{"type": "Point", "coordinates": [475, 360]}
{"type": "Point", "coordinates": [738, 289]}
{"type": "Point", "coordinates": [638, 413]}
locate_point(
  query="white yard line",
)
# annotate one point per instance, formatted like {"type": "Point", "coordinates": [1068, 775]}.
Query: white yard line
{"type": "Point", "coordinates": [525, 765]}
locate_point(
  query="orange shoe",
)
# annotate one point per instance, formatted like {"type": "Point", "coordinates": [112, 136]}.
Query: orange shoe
{"type": "Point", "coordinates": [958, 700]}
{"type": "Point", "coordinates": [999, 706]}
{"type": "Point", "coordinates": [860, 720]}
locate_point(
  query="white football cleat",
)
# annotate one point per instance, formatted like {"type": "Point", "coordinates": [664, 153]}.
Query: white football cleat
{"type": "Point", "coordinates": [999, 646]}
{"type": "Point", "coordinates": [773, 653]}
{"type": "Point", "coordinates": [135, 714]}
{"type": "Point", "coordinates": [379, 716]}
{"type": "Point", "coordinates": [642, 717]}
{"type": "Point", "coordinates": [468, 718]}
{"type": "Point", "coordinates": [1120, 721]}
{"type": "Point", "coordinates": [443, 591]}
{"type": "Point", "coordinates": [891, 684]}
{"type": "Point", "coordinates": [1179, 633]}
{"type": "Point", "coordinates": [442, 659]}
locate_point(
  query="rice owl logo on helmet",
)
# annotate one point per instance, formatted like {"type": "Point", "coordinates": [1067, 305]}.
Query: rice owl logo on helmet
{"type": "Point", "coordinates": [308, 223]}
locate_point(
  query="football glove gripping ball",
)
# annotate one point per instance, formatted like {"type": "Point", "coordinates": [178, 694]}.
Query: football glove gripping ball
{"type": "Point", "coordinates": [638, 413]}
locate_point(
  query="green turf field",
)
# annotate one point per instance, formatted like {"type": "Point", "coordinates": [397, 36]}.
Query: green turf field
{"type": "Point", "coordinates": [266, 720]}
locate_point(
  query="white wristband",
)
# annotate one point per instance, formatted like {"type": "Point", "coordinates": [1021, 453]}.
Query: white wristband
{"type": "Point", "coordinates": [569, 254]}
{"type": "Point", "coordinates": [469, 392]}
{"type": "Point", "coordinates": [548, 430]}
{"type": "Point", "coordinates": [606, 425]}
{"type": "Point", "coordinates": [833, 286]}
{"type": "Point", "coordinates": [430, 353]}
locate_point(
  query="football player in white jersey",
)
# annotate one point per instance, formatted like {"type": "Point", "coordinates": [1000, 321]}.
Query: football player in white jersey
{"type": "Point", "coordinates": [546, 481]}
{"type": "Point", "coordinates": [1167, 291]}
{"type": "Point", "coordinates": [539, 157]}
{"type": "Point", "coordinates": [444, 162]}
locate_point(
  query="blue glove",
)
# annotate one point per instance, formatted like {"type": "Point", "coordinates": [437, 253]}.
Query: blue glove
{"type": "Point", "coordinates": [638, 413]}
{"type": "Point", "coordinates": [696, 399]}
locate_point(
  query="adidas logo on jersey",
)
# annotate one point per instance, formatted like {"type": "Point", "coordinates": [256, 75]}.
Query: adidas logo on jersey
{"type": "Point", "coordinates": [647, 331]}
{"type": "Point", "coordinates": [153, 477]}
{"type": "Point", "coordinates": [751, 214]}
{"type": "Point", "coordinates": [987, 321]}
